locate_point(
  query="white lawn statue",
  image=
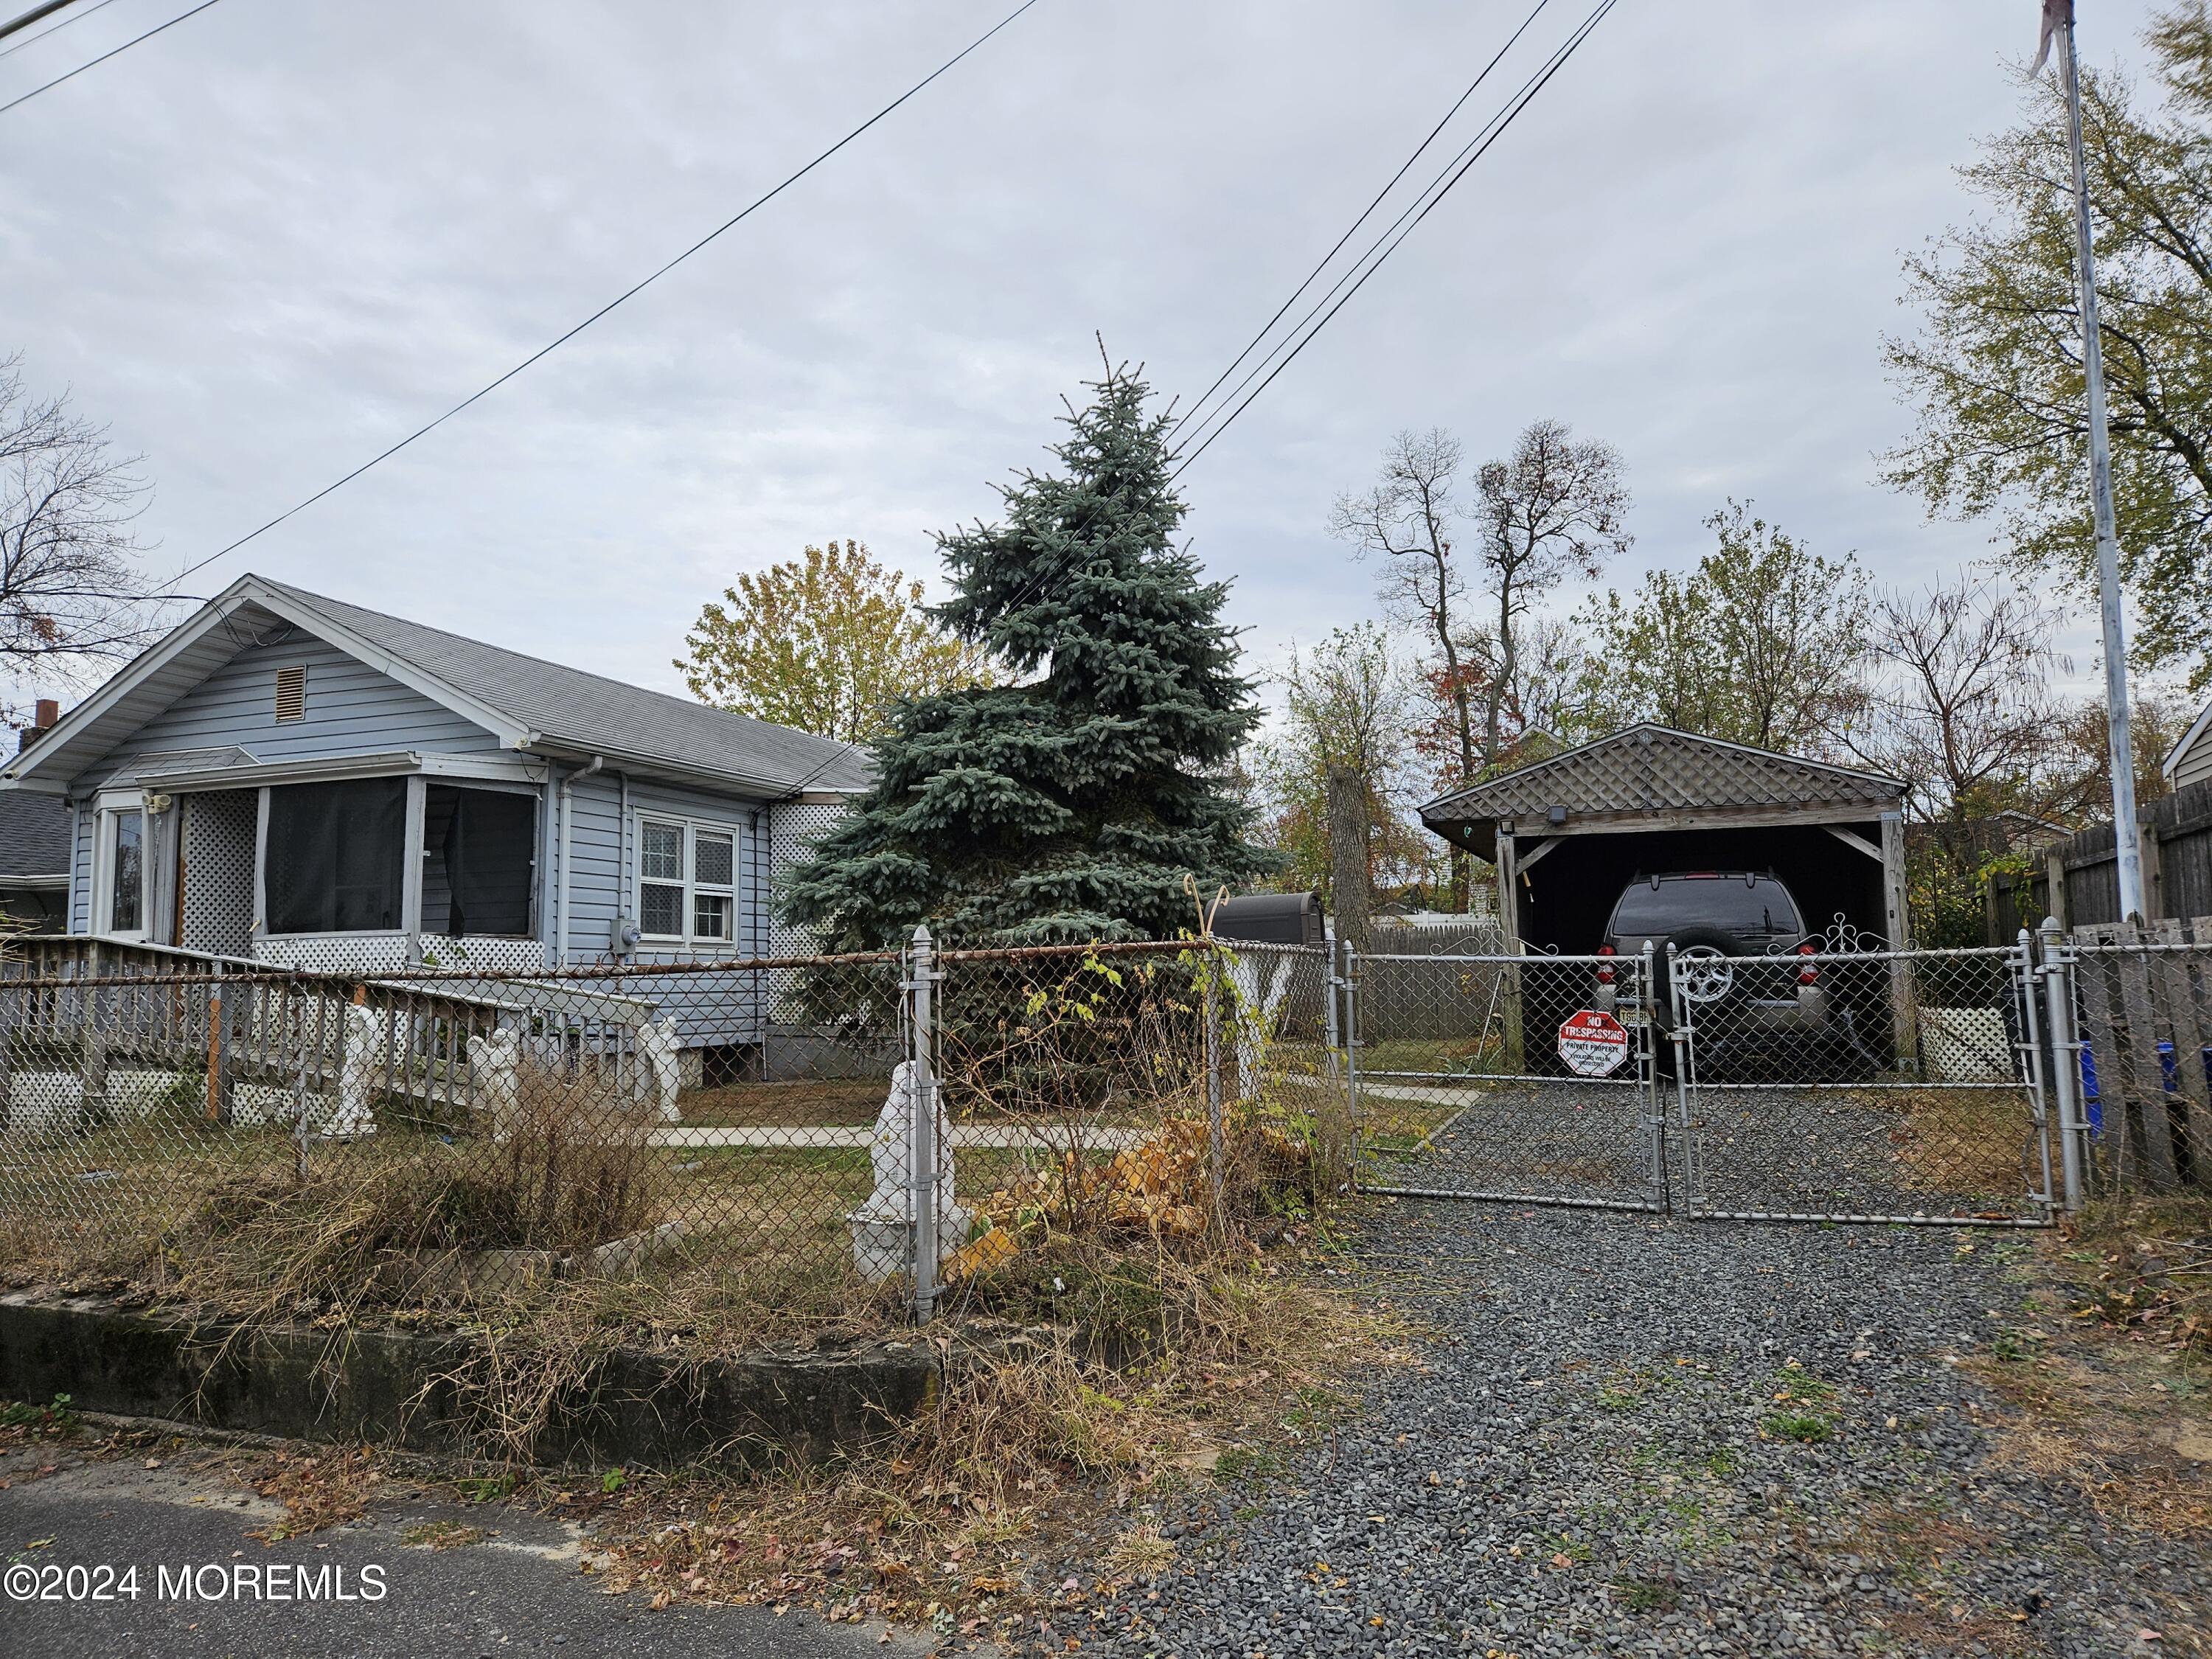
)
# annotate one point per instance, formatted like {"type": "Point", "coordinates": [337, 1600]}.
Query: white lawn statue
{"type": "Point", "coordinates": [881, 1227]}
{"type": "Point", "coordinates": [657, 1046]}
{"type": "Point", "coordinates": [494, 1067]}
{"type": "Point", "coordinates": [365, 1041]}
{"type": "Point", "coordinates": [1261, 982]}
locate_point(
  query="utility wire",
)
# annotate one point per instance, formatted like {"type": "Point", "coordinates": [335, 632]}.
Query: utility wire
{"type": "Point", "coordinates": [1463, 160]}
{"type": "Point", "coordinates": [1314, 275]}
{"type": "Point", "coordinates": [1419, 208]}
{"type": "Point", "coordinates": [25, 20]}
{"type": "Point", "coordinates": [103, 57]}
{"type": "Point", "coordinates": [1528, 95]}
{"type": "Point", "coordinates": [629, 293]}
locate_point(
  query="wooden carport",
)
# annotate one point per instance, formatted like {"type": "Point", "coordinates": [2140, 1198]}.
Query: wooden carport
{"type": "Point", "coordinates": [1568, 832]}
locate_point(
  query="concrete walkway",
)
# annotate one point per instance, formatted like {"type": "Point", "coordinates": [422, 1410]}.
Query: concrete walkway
{"type": "Point", "coordinates": [855, 1137]}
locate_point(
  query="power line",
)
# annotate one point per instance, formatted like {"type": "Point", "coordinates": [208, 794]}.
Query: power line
{"type": "Point", "coordinates": [48, 10]}
{"type": "Point", "coordinates": [1418, 209]}
{"type": "Point", "coordinates": [1314, 275]}
{"type": "Point", "coordinates": [103, 57]}
{"type": "Point", "coordinates": [629, 293]}
{"type": "Point", "coordinates": [1559, 61]}
{"type": "Point", "coordinates": [22, 20]}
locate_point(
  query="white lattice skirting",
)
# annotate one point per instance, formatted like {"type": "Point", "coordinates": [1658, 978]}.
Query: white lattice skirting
{"type": "Point", "coordinates": [388, 953]}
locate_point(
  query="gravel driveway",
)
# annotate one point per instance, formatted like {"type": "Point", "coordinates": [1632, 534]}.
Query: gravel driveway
{"type": "Point", "coordinates": [1631, 1434]}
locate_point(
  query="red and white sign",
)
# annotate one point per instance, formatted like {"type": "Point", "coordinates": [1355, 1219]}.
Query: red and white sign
{"type": "Point", "coordinates": [1593, 1044]}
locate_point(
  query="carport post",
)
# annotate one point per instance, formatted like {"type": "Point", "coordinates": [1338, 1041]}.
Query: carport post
{"type": "Point", "coordinates": [2065, 1056]}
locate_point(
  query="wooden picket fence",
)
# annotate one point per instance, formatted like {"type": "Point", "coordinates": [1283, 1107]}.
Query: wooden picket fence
{"type": "Point", "coordinates": [2144, 998]}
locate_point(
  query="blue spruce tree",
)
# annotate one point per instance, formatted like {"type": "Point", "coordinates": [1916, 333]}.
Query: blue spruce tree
{"type": "Point", "coordinates": [1070, 806]}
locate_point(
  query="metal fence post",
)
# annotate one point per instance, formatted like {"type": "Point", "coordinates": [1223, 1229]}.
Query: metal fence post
{"type": "Point", "coordinates": [2065, 1059]}
{"type": "Point", "coordinates": [1654, 1114]}
{"type": "Point", "coordinates": [1683, 1040]}
{"type": "Point", "coordinates": [1217, 1145]}
{"type": "Point", "coordinates": [2027, 983]}
{"type": "Point", "coordinates": [921, 1131]}
{"type": "Point", "coordinates": [1351, 1033]}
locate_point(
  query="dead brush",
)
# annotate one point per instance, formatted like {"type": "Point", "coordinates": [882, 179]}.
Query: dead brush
{"type": "Point", "coordinates": [944, 1518]}
{"type": "Point", "coordinates": [564, 1171]}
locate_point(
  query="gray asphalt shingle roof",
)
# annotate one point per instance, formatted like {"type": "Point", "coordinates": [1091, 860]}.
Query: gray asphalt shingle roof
{"type": "Point", "coordinates": [590, 713]}
{"type": "Point", "coordinates": [35, 835]}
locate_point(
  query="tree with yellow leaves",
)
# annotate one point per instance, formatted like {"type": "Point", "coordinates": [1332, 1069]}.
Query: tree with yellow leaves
{"type": "Point", "coordinates": [825, 642]}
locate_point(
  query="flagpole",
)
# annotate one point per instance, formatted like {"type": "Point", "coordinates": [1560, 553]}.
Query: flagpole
{"type": "Point", "coordinates": [2127, 832]}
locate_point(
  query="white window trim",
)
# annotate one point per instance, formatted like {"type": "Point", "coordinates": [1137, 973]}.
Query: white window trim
{"type": "Point", "coordinates": [107, 806]}
{"type": "Point", "coordinates": [692, 885]}
{"type": "Point", "coordinates": [410, 837]}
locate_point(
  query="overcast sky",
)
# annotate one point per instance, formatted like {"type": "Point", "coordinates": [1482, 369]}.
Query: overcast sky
{"type": "Point", "coordinates": [275, 238]}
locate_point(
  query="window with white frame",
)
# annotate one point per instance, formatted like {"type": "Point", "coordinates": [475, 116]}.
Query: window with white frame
{"type": "Point", "coordinates": [687, 875]}
{"type": "Point", "coordinates": [118, 889]}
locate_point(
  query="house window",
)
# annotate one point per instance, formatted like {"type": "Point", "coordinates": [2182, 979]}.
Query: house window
{"type": "Point", "coordinates": [333, 863]}
{"type": "Point", "coordinates": [479, 861]}
{"type": "Point", "coordinates": [126, 872]}
{"type": "Point", "coordinates": [687, 881]}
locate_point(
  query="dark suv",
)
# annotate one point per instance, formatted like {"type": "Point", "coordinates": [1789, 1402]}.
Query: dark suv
{"type": "Point", "coordinates": [1740, 958]}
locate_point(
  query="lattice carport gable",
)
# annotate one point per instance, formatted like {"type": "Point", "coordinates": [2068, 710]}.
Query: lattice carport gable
{"type": "Point", "coordinates": [1670, 800]}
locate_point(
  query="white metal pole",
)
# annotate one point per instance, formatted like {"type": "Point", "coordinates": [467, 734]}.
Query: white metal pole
{"type": "Point", "coordinates": [2127, 832]}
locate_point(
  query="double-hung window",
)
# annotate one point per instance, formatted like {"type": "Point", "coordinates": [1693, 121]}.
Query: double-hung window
{"type": "Point", "coordinates": [687, 881]}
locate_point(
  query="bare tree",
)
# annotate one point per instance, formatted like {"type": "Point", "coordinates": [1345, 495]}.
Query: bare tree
{"type": "Point", "coordinates": [1405, 518]}
{"type": "Point", "coordinates": [1959, 706]}
{"type": "Point", "coordinates": [72, 587]}
{"type": "Point", "coordinates": [1553, 509]}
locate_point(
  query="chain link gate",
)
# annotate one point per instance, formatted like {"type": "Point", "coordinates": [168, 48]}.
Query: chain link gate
{"type": "Point", "coordinates": [1814, 1085]}
{"type": "Point", "coordinates": [1460, 1088]}
{"type": "Point", "coordinates": [1859, 1085]}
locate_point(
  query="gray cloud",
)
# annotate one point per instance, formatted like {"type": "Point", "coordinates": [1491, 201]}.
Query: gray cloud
{"type": "Point", "coordinates": [272, 239]}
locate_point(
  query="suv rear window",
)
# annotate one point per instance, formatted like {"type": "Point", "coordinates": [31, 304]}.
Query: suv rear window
{"type": "Point", "coordinates": [1760, 905]}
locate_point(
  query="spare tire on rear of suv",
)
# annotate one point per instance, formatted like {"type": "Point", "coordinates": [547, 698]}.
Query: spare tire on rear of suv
{"type": "Point", "coordinates": [1702, 939]}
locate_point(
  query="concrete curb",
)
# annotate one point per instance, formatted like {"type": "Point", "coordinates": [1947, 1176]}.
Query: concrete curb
{"type": "Point", "coordinates": [634, 1409]}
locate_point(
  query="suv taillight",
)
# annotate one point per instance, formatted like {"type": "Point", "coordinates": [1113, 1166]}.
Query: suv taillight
{"type": "Point", "coordinates": [1806, 973]}
{"type": "Point", "coordinates": [1605, 974]}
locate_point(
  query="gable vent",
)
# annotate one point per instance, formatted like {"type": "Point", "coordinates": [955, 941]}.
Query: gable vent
{"type": "Point", "coordinates": [292, 693]}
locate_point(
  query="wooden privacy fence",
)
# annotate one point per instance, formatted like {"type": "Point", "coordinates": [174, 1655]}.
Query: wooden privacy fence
{"type": "Point", "coordinates": [2079, 881]}
{"type": "Point", "coordinates": [2143, 1008]}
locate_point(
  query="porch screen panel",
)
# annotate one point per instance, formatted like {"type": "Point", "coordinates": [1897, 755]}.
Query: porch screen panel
{"type": "Point", "coordinates": [334, 856]}
{"type": "Point", "coordinates": [480, 849]}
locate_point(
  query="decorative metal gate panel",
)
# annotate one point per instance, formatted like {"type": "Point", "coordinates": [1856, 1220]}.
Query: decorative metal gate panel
{"type": "Point", "coordinates": [1461, 1086]}
{"type": "Point", "coordinates": [1861, 1085]}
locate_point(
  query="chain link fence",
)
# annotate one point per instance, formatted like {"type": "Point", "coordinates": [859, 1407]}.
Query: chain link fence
{"type": "Point", "coordinates": [815, 1129]}
{"type": "Point", "coordinates": [1891, 1086]}
{"type": "Point", "coordinates": [2132, 1010]}
{"type": "Point", "coordinates": [1523, 1078]}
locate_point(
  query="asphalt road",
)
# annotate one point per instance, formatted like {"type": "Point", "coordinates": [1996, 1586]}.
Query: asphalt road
{"type": "Point", "coordinates": [520, 1591]}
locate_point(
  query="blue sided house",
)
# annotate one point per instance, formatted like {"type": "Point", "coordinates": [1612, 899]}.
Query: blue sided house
{"type": "Point", "coordinates": [297, 782]}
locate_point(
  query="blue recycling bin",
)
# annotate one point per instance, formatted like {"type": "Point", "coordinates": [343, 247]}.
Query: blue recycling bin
{"type": "Point", "coordinates": [2093, 1108]}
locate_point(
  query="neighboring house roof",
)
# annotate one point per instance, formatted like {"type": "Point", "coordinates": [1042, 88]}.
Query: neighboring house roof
{"type": "Point", "coordinates": [532, 705]}
{"type": "Point", "coordinates": [35, 839]}
{"type": "Point", "coordinates": [2189, 740]}
{"type": "Point", "coordinates": [1650, 769]}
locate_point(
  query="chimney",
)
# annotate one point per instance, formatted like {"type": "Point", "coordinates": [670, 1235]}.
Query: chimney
{"type": "Point", "coordinates": [46, 712]}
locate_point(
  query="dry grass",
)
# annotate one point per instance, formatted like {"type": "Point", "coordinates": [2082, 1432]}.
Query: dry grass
{"type": "Point", "coordinates": [2108, 1392]}
{"type": "Point", "coordinates": [1967, 1141]}
{"type": "Point", "coordinates": [943, 1522]}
